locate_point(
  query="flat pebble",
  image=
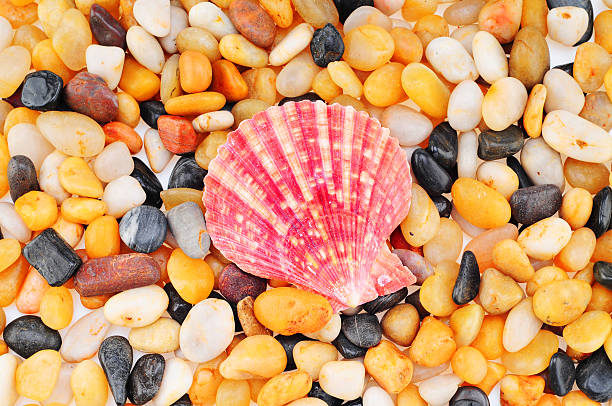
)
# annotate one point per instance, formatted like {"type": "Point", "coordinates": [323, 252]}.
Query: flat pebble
{"type": "Point", "coordinates": [136, 307]}
{"type": "Point", "coordinates": [42, 90]}
{"type": "Point", "coordinates": [562, 92]}
{"type": "Point", "coordinates": [72, 133]}
{"type": "Point", "coordinates": [431, 176]}
{"type": "Point", "coordinates": [521, 326]}
{"type": "Point", "coordinates": [84, 337]}
{"type": "Point", "coordinates": [105, 28]}
{"type": "Point", "coordinates": [36, 377]}
{"type": "Point", "coordinates": [21, 174]}
{"type": "Point", "coordinates": [594, 376]}
{"type": "Point", "coordinates": [26, 335]}
{"type": "Point", "coordinates": [494, 145]}
{"type": "Point", "coordinates": [106, 62]}
{"type": "Point", "coordinates": [145, 48]}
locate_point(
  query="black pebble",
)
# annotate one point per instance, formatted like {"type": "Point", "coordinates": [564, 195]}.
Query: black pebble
{"type": "Point", "coordinates": [594, 376]}
{"type": "Point", "coordinates": [326, 46]}
{"type": "Point", "coordinates": [21, 175]}
{"type": "Point", "coordinates": [557, 330]}
{"type": "Point", "coordinates": [53, 257]}
{"type": "Point", "coordinates": [217, 295]}
{"type": "Point", "coordinates": [382, 303]}
{"type": "Point", "coordinates": [306, 96]}
{"type": "Point", "coordinates": [567, 68]}
{"type": "Point", "coordinates": [105, 28]}
{"type": "Point", "coordinates": [317, 392]}
{"type": "Point", "coordinates": [187, 173]}
{"type": "Point", "coordinates": [288, 342]}
{"type": "Point", "coordinates": [585, 4]}
{"type": "Point", "coordinates": [469, 396]}
{"type": "Point", "coordinates": [42, 90]}
{"type": "Point", "coordinates": [26, 335]}
{"type": "Point", "coordinates": [346, 7]}
{"type": "Point", "coordinates": [149, 182]}
{"type": "Point", "coordinates": [561, 374]}
{"type": "Point", "coordinates": [601, 214]}
{"type": "Point", "coordinates": [347, 349]}
{"type": "Point", "coordinates": [115, 355]}
{"type": "Point", "coordinates": [145, 379]}
{"type": "Point", "coordinates": [15, 99]}
{"type": "Point", "coordinates": [143, 229]}
{"type": "Point", "coordinates": [516, 166]}
{"type": "Point", "coordinates": [363, 330]}
{"type": "Point", "coordinates": [431, 176]}
{"type": "Point", "coordinates": [468, 280]}
{"type": "Point", "coordinates": [602, 271]}
{"type": "Point", "coordinates": [494, 145]}
{"type": "Point", "coordinates": [183, 401]}
{"type": "Point", "coordinates": [354, 402]}
{"type": "Point", "coordinates": [415, 299]}
{"type": "Point", "coordinates": [150, 111]}
{"type": "Point", "coordinates": [443, 205]}
{"type": "Point", "coordinates": [443, 145]}
{"type": "Point", "coordinates": [532, 204]}
{"type": "Point", "coordinates": [177, 306]}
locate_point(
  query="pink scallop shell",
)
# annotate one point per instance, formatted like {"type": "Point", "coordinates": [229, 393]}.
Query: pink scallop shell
{"type": "Point", "coordinates": [308, 193]}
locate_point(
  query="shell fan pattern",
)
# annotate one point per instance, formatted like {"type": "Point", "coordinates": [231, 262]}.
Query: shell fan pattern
{"type": "Point", "coordinates": [308, 193]}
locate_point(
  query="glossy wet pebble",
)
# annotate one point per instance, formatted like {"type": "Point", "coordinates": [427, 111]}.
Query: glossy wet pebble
{"type": "Point", "coordinates": [317, 392]}
{"type": "Point", "coordinates": [431, 176]}
{"type": "Point", "coordinates": [289, 343]}
{"type": "Point", "coordinates": [115, 357]}
{"type": "Point", "coordinates": [382, 303]}
{"type": "Point", "coordinates": [84, 337]}
{"type": "Point", "coordinates": [594, 376]}
{"type": "Point", "coordinates": [529, 57]}
{"type": "Point", "coordinates": [465, 106]}
{"type": "Point", "coordinates": [143, 229]}
{"type": "Point", "coordinates": [602, 272]}
{"type": "Point", "coordinates": [72, 133]}
{"type": "Point", "coordinates": [145, 379]}
{"type": "Point", "coordinates": [363, 330]}
{"type": "Point", "coordinates": [36, 376]}
{"type": "Point", "coordinates": [440, 389]}
{"type": "Point", "coordinates": [343, 379]}
{"type": "Point", "coordinates": [562, 92]}
{"type": "Point", "coordinates": [468, 280]}
{"type": "Point", "coordinates": [568, 24]}
{"type": "Point", "coordinates": [601, 214]}
{"type": "Point", "coordinates": [443, 145]}
{"type": "Point", "coordinates": [469, 396]}
{"type": "Point", "coordinates": [137, 307]}
{"type": "Point", "coordinates": [187, 173]}
{"type": "Point", "coordinates": [52, 257]}
{"type": "Point", "coordinates": [516, 166]}
{"type": "Point", "coordinates": [450, 58]}
{"type": "Point", "coordinates": [178, 308]}
{"type": "Point", "coordinates": [532, 204]}
{"type": "Point", "coordinates": [235, 284]}
{"type": "Point", "coordinates": [154, 16]}
{"type": "Point", "coordinates": [150, 111]}
{"type": "Point", "coordinates": [218, 317]}
{"type": "Point", "coordinates": [149, 183]}
{"type": "Point", "coordinates": [395, 117]}
{"type": "Point", "coordinates": [500, 144]}
{"type": "Point", "coordinates": [186, 222]}
{"type": "Point", "coordinates": [542, 163]}
{"type": "Point", "coordinates": [176, 381]}
{"type": "Point", "coordinates": [42, 90]}
{"type": "Point", "coordinates": [26, 335]}
{"type": "Point", "coordinates": [561, 374]}
{"type": "Point", "coordinates": [113, 162]}
{"type": "Point", "coordinates": [89, 94]}
{"type": "Point", "coordinates": [123, 194]}
{"type": "Point", "coordinates": [105, 28]}
{"type": "Point", "coordinates": [21, 175]}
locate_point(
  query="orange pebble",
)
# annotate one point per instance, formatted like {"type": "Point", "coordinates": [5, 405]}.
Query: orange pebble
{"type": "Point", "coordinates": [226, 79]}
{"type": "Point", "coordinates": [138, 81]}
{"type": "Point", "coordinates": [195, 72]}
{"type": "Point", "coordinates": [118, 131]}
{"type": "Point", "coordinates": [177, 134]}
{"type": "Point", "coordinates": [489, 338]}
{"type": "Point", "coordinates": [31, 292]}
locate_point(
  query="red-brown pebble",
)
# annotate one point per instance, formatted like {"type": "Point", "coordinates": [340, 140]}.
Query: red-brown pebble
{"type": "Point", "coordinates": [253, 22]}
{"type": "Point", "coordinates": [235, 284]}
{"type": "Point", "coordinates": [177, 134]}
{"type": "Point", "coordinates": [89, 94]}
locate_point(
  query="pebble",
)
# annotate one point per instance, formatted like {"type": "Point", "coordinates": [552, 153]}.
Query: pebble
{"type": "Point", "coordinates": [594, 376]}
{"type": "Point", "coordinates": [465, 106]}
{"type": "Point", "coordinates": [467, 147]}
{"type": "Point", "coordinates": [443, 205]}
{"type": "Point", "coordinates": [145, 379]}
{"type": "Point", "coordinates": [105, 28]}
{"type": "Point", "coordinates": [440, 389]}
{"type": "Point", "coordinates": [576, 137]}
{"type": "Point", "coordinates": [602, 272]}
{"type": "Point", "coordinates": [123, 194]}
{"type": "Point", "coordinates": [8, 366]}
{"type": "Point", "coordinates": [347, 349]}
{"type": "Point", "coordinates": [179, 20]}
{"type": "Point", "coordinates": [329, 332]}
{"type": "Point", "coordinates": [382, 303]}
{"type": "Point", "coordinates": [468, 196]}
{"type": "Point", "coordinates": [561, 374]}
{"type": "Point", "coordinates": [252, 21]}
{"type": "Point", "coordinates": [318, 393]}
{"type": "Point", "coordinates": [317, 12]}
{"type": "Point", "coordinates": [295, 79]}
{"type": "Point", "coordinates": [116, 273]}
{"type": "Point", "coordinates": [235, 284]}
{"type": "Point", "coordinates": [10, 221]}
{"type": "Point", "coordinates": [84, 337]}
{"type": "Point", "coordinates": [136, 307]}
{"type": "Point", "coordinates": [237, 49]}
{"type": "Point", "coordinates": [363, 330]}
{"type": "Point", "coordinates": [504, 103]}
{"type": "Point", "coordinates": [561, 301]}
{"type": "Point", "coordinates": [187, 173]}
{"type": "Point", "coordinates": [562, 92]}
{"type": "Point", "coordinates": [442, 145]}
{"type": "Point", "coordinates": [27, 335]}
{"type": "Point", "coordinates": [88, 383]}
{"type": "Point", "coordinates": [601, 214]}
{"type": "Point", "coordinates": [598, 110]}
{"type": "Point", "coordinates": [145, 48]}
{"type": "Point", "coordinates": [568, 24]}
{"type": "Point", "coordinates": [153, 16]}
{"type": "Point", "coordinates": [489, 56]}
{"type": "Point", "coordinates": [529, 57]}
{"type": "Point", "coordinates": [115, 357]}
{"type": "Point", "coordinates": [119, 131]}
{"type": "Point", "coordinates": [219, 319]}
{"type": "Point", "coordinates": [469, 395]}
{"type": "Point", "coordinates": [113, 162]}
{"type": "Point", "coordinates": [545, 238]}
{"type": "Point", "coordinates": [395, 118]}
{"type": "Point", "coordinates": [192, 278]}
{"type": "Point", "coordinates": [591, 63]}
{"type": "Point", "coordinates": [542, 163]}
{"type": "Point", "coordinates": [521, 326]}
{"type": "Point", "coordinates": [288, 343]}
{"type": "Point", "coordinates": [52, 257]}
{"type": "Point", "coordinates": [259, 356]}
{"type": "Point", "coordinates": [343, 379]}
{"type": "Point", "coordinates": [151, 111]}
{"type": "Point", "coordinates": [15, 63]}
{"type": "Point", "coordinates": [468, 280]}
{"type": "Point", "coordinates": [494, 145]}
{"type": "Point", "coordinates": [431, 94]}
{"type": "Point", "coordinates": [76, 177]}
{"type": "Point", "coordinates": [499, 177]}
{"type": "Point", "coordinates": [149, 183]}
{"type": "Point", "coordinates": [431, 176]}
{"type": "Point", "coordinates": [210, 17]}
{"type": "Point", "coordinates": [532, 204]}
{"type": "Point", "coordinates": [157, 154]}
{"type": "Point", "coordinates": [178, 308]}
{"type": "Point", "coordinates": [21, 174]}
{"type": "Point", "coordinates": [72, 133]}
{"type": "Point", "coordinates": [136, 221]}
{"type": "Point", "coordinates": [36, 377]}
{"type": "Point", "coordinates": [187, 224]}
{"type": "Point", "coordinates": [42, 91]}
{"type": "Point", "coordinates": [448, 57]}
{"type": "Point", "coordinates": [176, 381]}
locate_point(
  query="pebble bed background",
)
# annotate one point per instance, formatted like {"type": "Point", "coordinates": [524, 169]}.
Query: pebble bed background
{"type": "Point", "coordinates": [559, 54]}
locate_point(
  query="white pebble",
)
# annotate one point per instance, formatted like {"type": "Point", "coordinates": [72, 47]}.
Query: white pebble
{"type": "Point", "coordinates": [157, 154]}
{"type": "Point", "coordinates": [489, 56]}
{"type": "Point", "coordinates": [176, 381]}
{"type": "Point", "coordinates": [8, 366]}
{"type": "Point", "coordinates": [467, 155]}
{"type": "Point", "coordinates": [207, 330]}
{"type": "Point", "coordinates": [376, 396]}
{"type": "Point", "coordinates": [145, 49]}
{"type": "Point", "coordinates": [465, 106]}
{"type": "Point", "coordinates": [84, 337]}
{"type": "Point", "coordinates": [153, 16]}
{"type": "Point", "coordinates": [292, 44]}
{"type": "Point", "coordinates": [26, 139]}
{"type": "Point", "coordinates": [123, 194]}
{"type": "Point", "coordinates": [498, 176]}
{"type": "Point", "coordinates": [6, 33]}
{"type": "Point", "coordinates": [136, 307]}
{"type": "Point", "coordinates": [438, 390]}
{"type": "Point", "coordinates": [114, 161]}
{"type": "Point", "coordinates": [366, 15]}
{"type": "Point", "coordinates": [562, 92]}
{"type": "Point", "coordinates": [465, 35]}
{"type": "Point", "coordinates": [49, 176]}
{"type": "Point", "coordinates": [406, 124]}
{"type": "Point", "coordinates": [11, 222]}
{"type": "Point", "coordinates": [504, 103]}
{"type": "Point", "coordinates": [343, 379]}
{"type": "Point", "coordinates": [421, 373]}
{"type": "Point", "coordinates": [329, 332]}
{"type": "Point", "coordinates": [521, 326]}
{"type": "Point", "coordinates": [542, 163]}
{"type": "Point", "coordinates": [210, 17]}
{"type": "Point", "coordinates": [106, 62]}
{"type": "Point", "coordinates": [295, 79]}
{"type": "Point", "coordinates": [573, 136]}
{"type": "Point", "coordinates": [450, 58]}
{"type": "Point", "coordinates": [213, 121]}
{"type": "Point", "coordinates": [179, 21]}
{"type": "Point", "coordinates": [546, 238]}
{"type": "Point", "coordinates": [567, 24]}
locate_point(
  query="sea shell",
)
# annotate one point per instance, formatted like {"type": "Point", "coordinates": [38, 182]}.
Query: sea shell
{"type": "Point", "coordinates": [308, 193]}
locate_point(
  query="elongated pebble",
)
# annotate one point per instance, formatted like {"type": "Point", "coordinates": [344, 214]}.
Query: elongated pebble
{"type": "Point", "coordinates": [562, 92]}
{"type": "Point", "coordinates": [145, 49]}
{"type": "Point", "coordinates": [153, 16]}
{"type": "Point", "coordinates": [448, 57]}
{"type": "Point", "coordinates": [489, 56]}
{"type": "Point", "coordinates": [8, 366]}
{"type": "Point", "coordinates": [49, 176]}
{"type": "Point", "coordinates": [465, 106]}
{"type": "Point", "coordinates": [467, 163]}
{"type": "Point", "coordinates": [115, 356]}
{"type": "Point", "coordinates": [136, 307]}
{"type": "Point", "coordinates": [210, 17]}
{"type": "Point", "coordinates": [11, 221]}
{"type": "Point", "coordinates": [292, 44]}
{"type": "Point", "coordinates": [157, 154]}
{"type": "Point", "coordinates": [187, 224]}
{"type": "Point", "coordinates": [84, 337]}
{"type": "Point", "coordinates": [546, 238]}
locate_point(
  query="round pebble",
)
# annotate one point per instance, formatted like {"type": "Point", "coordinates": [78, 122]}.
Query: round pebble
{"type": "Point", "coordinates": [141, 218]}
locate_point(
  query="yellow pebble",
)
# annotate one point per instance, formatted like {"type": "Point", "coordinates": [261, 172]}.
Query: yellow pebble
{"type": "Point", "coordinates": [76, 177]}
{"type": "Point", "coordinates": [38, 210]}
{"type": "Point", "coordinates": [509, 258]}
{"type": "Point", "coordinates": [10, 249]}
{"type": "Point", "coordinates": [368, 47]}
{"type": "Point", "coordinates": [560, 302]}
{"type": "Point", "coordinates": [69, 231]}
{"type": "Point", "coordinates": [36, 376]}
{"type": "Point", "coordinates": [284, 388]}
{"type": "Point", "coordinates": [20, 115]}
{"type": "Point", "coordinates": [5, 157]}
{"type": "Point", "coordinates": [390, 368]}
{"type": "Point", "coordinates": [324, 86]}
{"type": "Point", "coordinates": [410, 397]}
{"type": "Point", "coordinates": [479, 204]}
{"type": "Point", "coordinates": [384, 86]}
{"type": "Point", "coordinates": [423, 220]}
{"type": "Point", "coordinates": [102, 237]}
{"type": "Point", "coordinates": [424, 87]}
{"type": "Point", "coordinates": [577, 398]}
{"type": "Point", "coordinates": [344, 77]}
{"type": "Point", "coordinates": [469, 364]}
{"type": "Point", "coordinates": [56, 307]}
{"type": "Point", "coordinates": [589, 331]}
{"type": "Point", "coordinates": [259, 356]}
{"type": "Point", "coordinates": [434, 344]}
{"type": "Point", "coordinates": [233, 393]}
{"type": "Point", "coordinates": [207, 150]}
{"type": "Point", "coordinates": [88, 384]}
{"type": "Point", "coordinates": [533, 358]}
{"type": "Point", "coordinates": [192, 278]}
{"type": "Point", "coordinates": [82, 210]}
